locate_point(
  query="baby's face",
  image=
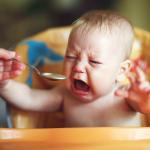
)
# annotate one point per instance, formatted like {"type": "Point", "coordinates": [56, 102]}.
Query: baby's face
{"type": "Point", "coordinates": [91, 64]}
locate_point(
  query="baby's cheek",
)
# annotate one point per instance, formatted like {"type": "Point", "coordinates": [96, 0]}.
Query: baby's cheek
{"type": "Point", "coordinates": [67, 72]}
{"type": "Point", "coordinates": [95, 83]}
{"type": "Point", "coordinates": [101, 85]}
{"type": "Point", "coordinates": [67, 84]}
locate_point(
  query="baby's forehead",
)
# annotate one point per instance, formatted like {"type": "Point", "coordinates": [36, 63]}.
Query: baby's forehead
{"type": "Point", "coordinates": [98, 41]}
{"type": "Point", "coordinates": [84, 31]}
{"type": "Point", "coordinates": [95, 36]}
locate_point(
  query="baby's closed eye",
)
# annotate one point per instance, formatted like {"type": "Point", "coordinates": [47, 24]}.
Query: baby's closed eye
{"type": "Point", "coordinates": [95, 62]}
{"type": "Point", "coordinates": [71, 58]}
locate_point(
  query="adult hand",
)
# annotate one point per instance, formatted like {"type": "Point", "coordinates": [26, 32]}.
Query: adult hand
{"type": "Point", "coordinates": [8, 68]}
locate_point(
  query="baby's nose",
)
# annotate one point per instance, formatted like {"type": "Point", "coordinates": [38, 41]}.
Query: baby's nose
{"type": "Point", "coordinates": [79, 67]}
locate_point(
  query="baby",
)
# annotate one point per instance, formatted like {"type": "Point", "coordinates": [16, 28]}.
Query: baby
{"type": "Point", "coordinates": [96, 58]}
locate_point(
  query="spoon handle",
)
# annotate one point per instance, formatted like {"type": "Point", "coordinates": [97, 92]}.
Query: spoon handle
{"type": "Point", "coordinates": [46, 75]}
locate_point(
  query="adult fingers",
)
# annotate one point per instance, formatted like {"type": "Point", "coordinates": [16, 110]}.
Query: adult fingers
{"type": "Point", "coordinates": [5, 54]}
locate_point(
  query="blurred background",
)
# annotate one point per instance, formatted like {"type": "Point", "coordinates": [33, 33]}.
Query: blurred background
{"type": "Point", "coordinates": [23, 18]}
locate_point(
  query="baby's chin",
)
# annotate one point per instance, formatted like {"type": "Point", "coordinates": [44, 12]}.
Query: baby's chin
{"type": "Point", "coordinates": [84, 99]}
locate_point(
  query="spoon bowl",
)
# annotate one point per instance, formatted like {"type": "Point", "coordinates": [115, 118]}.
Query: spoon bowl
{"type": "Point", "coordinates": [46, 75]}
{"type": "Point", "coordinates": [52, 76]}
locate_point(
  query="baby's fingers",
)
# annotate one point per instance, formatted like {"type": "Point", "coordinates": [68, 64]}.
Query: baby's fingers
{"type": "Point", "coordinates": [141, 79]}
{"type": "Point", "coordinates": [131, 78]}
{"type": "Point", "coordinates": [140, 75]}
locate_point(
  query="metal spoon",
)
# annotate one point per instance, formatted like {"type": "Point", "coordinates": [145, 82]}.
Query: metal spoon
{"type": "Point", "coordinates": [46, 75]}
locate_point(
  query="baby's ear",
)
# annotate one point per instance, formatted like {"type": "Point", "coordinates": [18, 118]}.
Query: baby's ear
{"type": "Point", "coordinates": [125, 66]}
{"type": "Point", "coordinates": [124, 69]}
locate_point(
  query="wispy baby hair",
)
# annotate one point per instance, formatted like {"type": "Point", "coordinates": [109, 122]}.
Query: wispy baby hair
{"type": "Point", "coordinates": [107, 21]}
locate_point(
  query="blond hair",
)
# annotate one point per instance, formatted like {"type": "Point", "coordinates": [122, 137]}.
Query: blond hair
{"type": "Point", "coordinates": [107, 21]}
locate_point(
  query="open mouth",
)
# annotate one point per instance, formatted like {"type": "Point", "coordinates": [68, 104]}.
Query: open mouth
{"type": "Point", "coordinates": [81, 85]}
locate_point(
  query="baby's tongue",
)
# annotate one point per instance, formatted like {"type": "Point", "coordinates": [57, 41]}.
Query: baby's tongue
{"type": "Point", "coordinates": [80, 85]}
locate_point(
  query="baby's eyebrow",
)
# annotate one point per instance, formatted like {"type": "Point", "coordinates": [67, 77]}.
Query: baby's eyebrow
{"type": "Point", "coordinates": [72, 50]}
{"type": "Point", "coordinates": [92, 54]}
{"type": "Point", "coordinates": [71, 53]}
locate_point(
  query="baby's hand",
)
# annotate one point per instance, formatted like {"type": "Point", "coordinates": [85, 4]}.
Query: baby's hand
{"type": "Point", "coordinates": [137, 93]}
{"type": "Point", "coordinates": [8, 68]}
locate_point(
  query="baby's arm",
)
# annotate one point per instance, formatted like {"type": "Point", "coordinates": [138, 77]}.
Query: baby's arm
{"type": "Point", "coordinates": [138, 94]}
{"type": "Point", "coordinates": [20, 94]}
{"type": "Point", "coordinates": [26, 98]}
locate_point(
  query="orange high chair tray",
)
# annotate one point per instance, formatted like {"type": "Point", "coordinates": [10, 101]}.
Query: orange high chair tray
{"type": "Point", "coordinates": [105, 138]}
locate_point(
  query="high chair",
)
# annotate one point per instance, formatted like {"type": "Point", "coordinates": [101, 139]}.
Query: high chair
{"type": "Point", "coordinates": [46, 51]}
